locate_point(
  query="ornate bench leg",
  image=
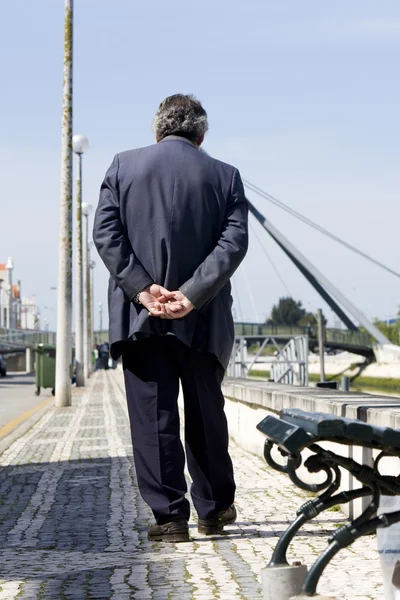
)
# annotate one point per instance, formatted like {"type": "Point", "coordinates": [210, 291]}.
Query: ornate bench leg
{"type": "Point", "coordinates": [306, 513]}
{"type": "Point", "coordinates": [279, 579]}
{"type": "Point", "coordinates": [341, 539]}
{"type": "Point", "coordinates": [292, 436]}
{"type": "Point", "coordinates": [344, 537]}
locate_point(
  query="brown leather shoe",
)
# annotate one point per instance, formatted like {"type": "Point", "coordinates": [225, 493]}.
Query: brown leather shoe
{"type": "Point", "coordinates": [213, 526]}
{"type": "Point", "coordinates": [173, 531]}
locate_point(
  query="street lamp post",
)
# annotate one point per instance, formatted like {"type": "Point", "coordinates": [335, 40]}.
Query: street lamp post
{"type": "Point", "coordinates": [10, 307]}
{"type": "Point", "coordinates": [92, 267]}
{"type": "Point", "coordinates": [89, 309]}
{"type": "Point", "coordinates": [101, 317]}
{"type": "Point", "coordinates": [86, 209]}
{"type": "Point", "coordinates": [64, 316]}
{"type": "Point", "coordinates": [19, 305]}
{"type": "Point", "coordinates": [80, 145]}
{"type": "Point", "coordinates": [1, 304]}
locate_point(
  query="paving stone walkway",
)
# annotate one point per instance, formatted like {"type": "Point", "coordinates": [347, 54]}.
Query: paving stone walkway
{"type": "Point", "coordinates": [73, 526]}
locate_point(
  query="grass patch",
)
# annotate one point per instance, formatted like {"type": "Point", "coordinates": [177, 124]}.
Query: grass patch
{"type": "Point", "coordinates": [267, 351]}
{"type": "Point", "coordinates": [385, 384]}
{"type": "Point", "coordinates": [261, 374]}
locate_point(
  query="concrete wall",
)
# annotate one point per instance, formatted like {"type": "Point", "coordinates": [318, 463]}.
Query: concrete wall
{"type": "Point", "coordinates": [16, 362]}
{"type": "Point", "coordinates": [249, 401]}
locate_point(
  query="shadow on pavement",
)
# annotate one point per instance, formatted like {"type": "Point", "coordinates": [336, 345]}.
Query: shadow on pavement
{"type": "Point", "coordinates": [65, 527]}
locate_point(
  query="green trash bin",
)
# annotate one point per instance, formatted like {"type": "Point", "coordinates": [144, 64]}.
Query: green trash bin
{"type": "Point", "coordinates": [45, 367]}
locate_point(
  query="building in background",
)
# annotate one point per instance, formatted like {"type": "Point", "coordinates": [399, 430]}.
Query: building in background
{"type": "Point", "coordinates": [16, 312]}
{"type": "Point", "coordinates": [30, 315]}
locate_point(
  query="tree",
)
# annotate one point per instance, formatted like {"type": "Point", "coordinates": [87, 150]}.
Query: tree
{"type": "Point", "coordinates": [290, 312]}
{"type": "Point", "coordinates": [286, 312]}
{"type": "Point", "coordinates": [311, 318]}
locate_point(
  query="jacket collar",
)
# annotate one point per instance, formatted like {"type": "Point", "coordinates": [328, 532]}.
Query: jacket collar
{"type": "Point", "coordinates": [177, 138]}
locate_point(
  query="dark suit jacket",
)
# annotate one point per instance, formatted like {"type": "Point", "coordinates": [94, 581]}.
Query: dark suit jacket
{"type": "Point", "coordinates": [172, 215]}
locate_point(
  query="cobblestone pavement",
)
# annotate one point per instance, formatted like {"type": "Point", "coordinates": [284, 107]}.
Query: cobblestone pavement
{"type": "Point", "coordinates": [73, 526]}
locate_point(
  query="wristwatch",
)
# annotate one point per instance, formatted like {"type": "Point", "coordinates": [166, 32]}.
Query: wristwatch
{"type": "Point", "coordinates": [136, 298]}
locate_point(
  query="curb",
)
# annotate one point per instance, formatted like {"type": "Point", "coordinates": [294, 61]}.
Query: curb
{"type": "Point", "coordinates": [23, 424]}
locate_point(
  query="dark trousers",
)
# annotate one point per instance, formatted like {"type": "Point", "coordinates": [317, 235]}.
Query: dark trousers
{"type": "Point", "coordinates": [153, 368]}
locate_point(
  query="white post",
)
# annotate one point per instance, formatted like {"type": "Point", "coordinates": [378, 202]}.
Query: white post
{"type": "Point", "coordinates": [92, 319]}
{"type": "Point", "coordinates": [87, 335]}
{"type": "Point", "coordinates": [301, 597]}
{"type": "Point", "coordinates": [282, 582]}
{"type": "Point", "coordinates": [79, 350]}
{"type": "Point", "coordinates": [18, 319]}
{"type": "Point", "coordinates": [85, 294]}
{"type": "Point", "coordinates": [89, 309]}
{"type": "Point", "coordinates": [321, 344]}
{"type": "Point", "coordinates": [64, 316]}
{"type": "Point", "coordinates": [101, 316]}
{"type": "Point", "coordinates": [243, 372]}
{"type": "Point", "coordinates": [10, 320]}
{"type": "Point", "coordinates": [28, 361]}
{"type": "Point", "coordinates": [306, 353]}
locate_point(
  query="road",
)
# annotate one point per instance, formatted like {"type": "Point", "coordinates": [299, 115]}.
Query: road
{"type": "Point", "coordinates": [17, 397]}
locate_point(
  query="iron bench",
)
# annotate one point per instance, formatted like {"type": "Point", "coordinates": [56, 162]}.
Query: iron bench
{"type": "Point", "coordinates": [296, 431]}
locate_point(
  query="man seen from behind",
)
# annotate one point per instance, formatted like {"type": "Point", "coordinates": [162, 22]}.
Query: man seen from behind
{"type": "Point", "coordinates": [171, 228]}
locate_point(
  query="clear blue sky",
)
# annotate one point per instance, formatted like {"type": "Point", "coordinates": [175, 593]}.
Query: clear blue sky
{"type": "Point", "coordinates": [303, 97]}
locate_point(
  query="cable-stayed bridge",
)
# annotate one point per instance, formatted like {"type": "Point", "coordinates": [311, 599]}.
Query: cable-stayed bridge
{"type": "Point", "coordinates": [357, 342]}
{"type": "Point", "coordinates": [353, 338]}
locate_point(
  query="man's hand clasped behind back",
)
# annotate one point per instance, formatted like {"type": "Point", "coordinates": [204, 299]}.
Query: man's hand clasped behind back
{"type": "Point", "coordinates": [164, 304]}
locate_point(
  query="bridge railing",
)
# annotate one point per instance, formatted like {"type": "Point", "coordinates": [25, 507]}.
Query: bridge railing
{"type": "Point", "coordinates": [353, 338]}
{"type": "Point", "coordinates": [334, 336]}
{"type": "Point", "coordinates": [15, 339]}
{"type": "Point", "coordinates": [265, 330]}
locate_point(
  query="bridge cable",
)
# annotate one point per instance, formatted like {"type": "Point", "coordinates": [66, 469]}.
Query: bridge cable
{"type": "Point", "coordinates": [319, 228]}
{"type": "Point", "coordinates": [252, 301]}
{"type": "Point", "coordinates": [307, 274]}
{"type": "Point", "coordinates": [270, 260]}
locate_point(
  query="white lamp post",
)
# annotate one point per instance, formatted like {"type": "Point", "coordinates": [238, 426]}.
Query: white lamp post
{"type": "Point", "coordinates": [86, 210]}
{"type": "Point", "coordinates": [1, 304]}
{"type": "Point", "coordinates": [92, 267]}
{"type": "Point", "coordinates": [101, 317]}
{"type": "Point", "coordinates": [64, 317]}
{"type": "Point", "coordinates": [80, 145]}
{"type": "Point", "coordinates": [10, 315]}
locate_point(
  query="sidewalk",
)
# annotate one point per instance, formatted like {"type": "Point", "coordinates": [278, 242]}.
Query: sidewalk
{"type": "Point", "coordinates": [73, 526]}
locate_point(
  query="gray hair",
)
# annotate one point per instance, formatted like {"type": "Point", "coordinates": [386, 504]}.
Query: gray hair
{"type": "Point", "coordinates": [180, 115]}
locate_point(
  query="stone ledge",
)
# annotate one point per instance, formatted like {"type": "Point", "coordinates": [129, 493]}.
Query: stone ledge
{"type": "Point", "coordinates": [377, 410]}
{"type": "Point", "coordinates": [248, 401]}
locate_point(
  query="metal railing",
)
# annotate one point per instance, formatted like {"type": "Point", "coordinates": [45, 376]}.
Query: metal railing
{"type": "Point", "coordinates": [291, 364]}
{"type": "Point", "coordinates": [351, 338]}
{"type": "Point", "coordinates": [17, 339]}
{"type": "Point", "coordinates": [288, 365]}
{"type": "Point", "coordinates": [266, 330]}
{"type": "Point", "coordinates": [333, 336]}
